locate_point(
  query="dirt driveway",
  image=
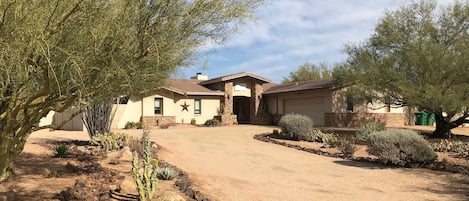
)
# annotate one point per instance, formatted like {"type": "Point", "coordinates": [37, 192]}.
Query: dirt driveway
{"type": "Point", "coordinates": [227, 164]}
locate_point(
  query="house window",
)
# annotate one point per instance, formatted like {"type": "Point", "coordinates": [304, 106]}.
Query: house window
{"type": "Point", "coordinates": [197, 106]}
{"type": "Point", "coordinates": [158, 106]}
{"type": "Point", "coordinates": [349, 103]}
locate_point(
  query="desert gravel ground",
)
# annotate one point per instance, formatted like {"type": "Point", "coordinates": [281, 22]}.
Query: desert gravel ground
{"type": "Point", "coordinates": [227, 164]}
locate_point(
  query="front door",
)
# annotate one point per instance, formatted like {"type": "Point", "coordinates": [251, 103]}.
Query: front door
{"type": "Point", "coordinates": [241, 108]}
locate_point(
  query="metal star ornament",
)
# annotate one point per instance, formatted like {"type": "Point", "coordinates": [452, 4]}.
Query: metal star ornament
{"type": "Point", "coordinates": [185, 107]}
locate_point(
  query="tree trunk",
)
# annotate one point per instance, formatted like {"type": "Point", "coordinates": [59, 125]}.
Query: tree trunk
{"type": "Point", "coordinates": [11, 144]}
{"type": "Point", "coordinates": [443, 127]}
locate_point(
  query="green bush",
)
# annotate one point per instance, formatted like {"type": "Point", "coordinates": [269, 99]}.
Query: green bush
{"type": "Point", "coordinates": [111, 141]}
{"type": "Point", "coordinates": [296, 126]}
{"type": "Point", "coordinates": [61, 151]}
{"type": "Point", "coordinates": [212, 122]}
{"type": "Point", "coordinates": [131, 124]}
{"type": "Point", "coordinates": [166, 173]}
{"type": "Point", "coordinates": [368, 128]}
{"type": "Point", "coordinates": [400, 147]}
{"type": "Point", "coordinates": [138, 125]}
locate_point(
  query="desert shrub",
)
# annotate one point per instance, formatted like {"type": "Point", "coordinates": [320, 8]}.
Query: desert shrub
{"type": "Point", "coordinates": [61, 151]}
{"type": "Point", "coordinates": [164, 126]}
{"type": "Point", "coordinates": [146, 178]}
{"type": "Point", "coordinates": [295, 126]}
{"type": "Point", "coordinates": [138, 125]}
{"type": "Point", "coordinates": [347, 147]}
{"type": "Point", "coordinates": [316, 135]}
{"type": "Point", "coordinates": [330, 140]}
{"type": "Point", "coordinates": [109, 142]}
{"type": "Point", "coordinates": [400, 147]}
{"type": "Point", "coordinates": [212, 122]}
{"type": "Point", "coordinates": [167, 173]}
{"type": "Point", "coordinates": [131, 124]}
{"type": "Point", "coordinates": [458, 147]}
{"type": "Point", "coordinates": [368, 128]}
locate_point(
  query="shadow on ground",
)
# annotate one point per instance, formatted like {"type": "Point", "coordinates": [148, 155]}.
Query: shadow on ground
{"type": "Point", "coordinates": [366, 165]}
{"type": "Point", "coordinates": [455, 184]}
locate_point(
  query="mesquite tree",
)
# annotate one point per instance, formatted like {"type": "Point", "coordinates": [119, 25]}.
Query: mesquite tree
{"type": "Point", "coordinates": [59, 53]}
{"type": "Point", "coordinates": [418, 55]}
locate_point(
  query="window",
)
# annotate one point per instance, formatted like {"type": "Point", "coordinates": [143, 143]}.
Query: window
{"type": "Point", "coordinates": [349, 103]}
{"type": "Point", "coordinates": [158, 106]}
{"type": "Point", "coordinates": [197, 106]}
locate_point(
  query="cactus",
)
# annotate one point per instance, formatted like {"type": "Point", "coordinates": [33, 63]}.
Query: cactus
{"type": "Point", "coordinates": [145, 180]}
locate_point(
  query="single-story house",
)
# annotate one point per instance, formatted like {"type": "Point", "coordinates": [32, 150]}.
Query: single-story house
{"type": "Point", "coordinates": [248, 98]}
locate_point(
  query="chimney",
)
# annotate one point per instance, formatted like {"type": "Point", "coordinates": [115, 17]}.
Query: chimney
{"type": "Point", "coordinates": [199, 76]}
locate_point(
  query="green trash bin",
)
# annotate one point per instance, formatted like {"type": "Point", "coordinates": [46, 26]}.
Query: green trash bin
{"type": "Point", "coordinates": [430, 119]}
{"type": "Point", "coordinates": [423, 119]}
{"type": "Point", "coordinates": [418, 118]}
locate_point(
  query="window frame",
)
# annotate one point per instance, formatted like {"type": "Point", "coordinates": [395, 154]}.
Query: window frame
{"type": "Point", "coordinates": [197, 111]}
{"type": "Point", "coordinates": [160, 108]}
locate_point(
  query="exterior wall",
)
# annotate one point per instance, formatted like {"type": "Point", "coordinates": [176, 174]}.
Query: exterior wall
{"type": "Point", "coordinates": [257, 115]}
{"type": "Point", "coordinates": [228, 101]}
{"type": "Point", "coordinates": [73, 125]}
{"type": "Point", "coordinates": [355, 119]}
{"type": "Point", "coordinates": [132, 111]}
{"type": "Point", "coordinates": [391, 115]}
{"type": "Point", "coordinates": [172, 108]}
{"type": "Point", "coordinates": [226, 119]}
{"type": "Point", "coordinates": [340, 105]}
{"type": "Point", "coordinates": [47, 120]}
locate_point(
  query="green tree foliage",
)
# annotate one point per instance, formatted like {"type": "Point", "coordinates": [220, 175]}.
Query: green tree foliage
{"type": "Point", "coordinates": [58, 53]}
{"type": "Point", "coordinates": [307, 72]}
{"type": "Point", "coordinates": [418, 55]}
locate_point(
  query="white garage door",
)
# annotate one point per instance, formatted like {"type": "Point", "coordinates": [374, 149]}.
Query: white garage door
{"type": "Point", "coordinates": [312, 107]}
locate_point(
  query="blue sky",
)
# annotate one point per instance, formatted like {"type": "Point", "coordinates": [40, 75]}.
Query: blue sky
{"type": "Point", "coordinates": [289, 33]}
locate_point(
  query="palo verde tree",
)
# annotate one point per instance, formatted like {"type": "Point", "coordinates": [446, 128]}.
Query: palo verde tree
{"type": "Point", "coordinates": [60, 53]}
{"type": "Point", "coordinates": [419, 55]}
{"type": "Point", "coordinates": [307, 72]}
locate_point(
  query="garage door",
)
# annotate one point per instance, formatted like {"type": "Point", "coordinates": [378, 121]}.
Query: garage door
{"type": "Point", "coordinates": [312, 107]}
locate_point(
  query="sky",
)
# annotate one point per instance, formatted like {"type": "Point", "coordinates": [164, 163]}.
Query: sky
{"type": "Point", "coordinates": [288, 33]}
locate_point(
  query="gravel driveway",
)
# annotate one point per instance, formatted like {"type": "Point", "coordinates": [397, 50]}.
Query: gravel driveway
{"type": "Point", "coordinates": [227, 164]}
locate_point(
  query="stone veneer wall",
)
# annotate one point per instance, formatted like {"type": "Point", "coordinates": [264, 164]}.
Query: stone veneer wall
{"type": "Point", "coordinates": [355, 119]}
{"type": "Point", "coordinates": [227, 119]}
{"type": "Point", "coordinates": [161, 120]}
{"type": "Point", "coordinates": [228, 101]}
{"type": "Point", "coordinates": [255, 115]}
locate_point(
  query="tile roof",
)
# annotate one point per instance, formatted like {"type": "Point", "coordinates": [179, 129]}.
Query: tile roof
{"type": "Point", "coordinates": [235, 76]}
{"type": "Point", "coordinates": [301, 86]}
{"type": "Point", "coordinates": [190, 87]}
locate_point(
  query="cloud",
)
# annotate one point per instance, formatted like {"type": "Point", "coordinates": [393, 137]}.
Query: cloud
{"type": "Point", "coordinates": [291, 32]}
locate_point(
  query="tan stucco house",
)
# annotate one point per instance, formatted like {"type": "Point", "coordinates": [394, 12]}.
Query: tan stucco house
{"type": "Point", "coordinates": [249, 98]}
